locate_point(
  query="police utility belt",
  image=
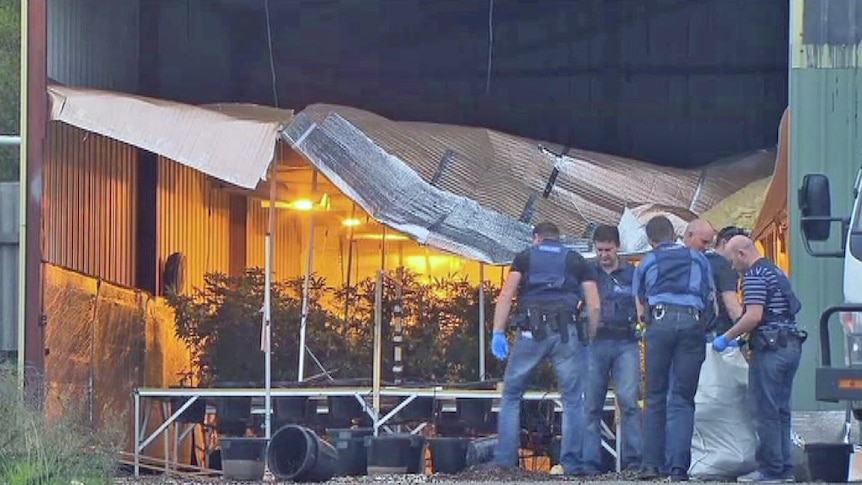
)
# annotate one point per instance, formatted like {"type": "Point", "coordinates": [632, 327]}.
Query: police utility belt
{"type": "Point", "coordinates": [658, 312]}
{"type": "Point", "coordinates": [540, 321]}
{"type": "Point", "coordinates": [773, 337]}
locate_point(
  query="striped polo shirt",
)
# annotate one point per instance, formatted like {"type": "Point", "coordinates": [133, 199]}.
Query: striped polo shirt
{"type": "Point", "coordinates": [760, 287]}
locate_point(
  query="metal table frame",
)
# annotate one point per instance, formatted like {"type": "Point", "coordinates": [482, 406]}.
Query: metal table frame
{"type": "Point", "coordinates": [409, 394]}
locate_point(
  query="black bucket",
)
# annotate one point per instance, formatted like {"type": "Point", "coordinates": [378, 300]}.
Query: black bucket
{"type": "Point", "coordinates": [396, 453]}
{"type": "Point", "coordinates": [352, 454]}
{"type": "Point", "coordinates": [243, 458]}
{"type": "Point", "coordinates": [449, 455]}
{"type": "Point", "coordinates": [829, 462]}
{"type": "Point", "coordinates": [296, 453]}
{"type": "Point", "coordinates": [419, 409]}
{"type": "Point", "coordinates": [343, 410]}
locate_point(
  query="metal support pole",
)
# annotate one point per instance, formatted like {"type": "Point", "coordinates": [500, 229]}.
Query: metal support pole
{"type": "Point", "coordinates": [305, 289]}
{"type": "Point", "coordinates": [267, 328]}
{"type": "Point", "coordinates": [378, 356]}
{"type": "Point", "coordinates": [397, 334]}
{"type": "Point", "coordinates": [267, 303]}
{"type": "Point", "coordinates": [481, 321]}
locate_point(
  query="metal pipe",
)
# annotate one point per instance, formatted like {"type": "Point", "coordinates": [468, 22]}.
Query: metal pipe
{"type": "Point", "coordinates": [378, 354]}
{"type": "Point", "coordinates": [267, 302]}
{"type": "Point", "coordinates": [22, 198]}
{"type": "Point", "coordinates": [481, 321]}
{"type": "Point", "coordinates": [13, 140]}
{"type": "Point", "coordinates": [305, 297]}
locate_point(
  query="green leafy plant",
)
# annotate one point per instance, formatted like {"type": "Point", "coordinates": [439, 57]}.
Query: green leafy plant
{"type": "Point", "coordinates": [221, 323]}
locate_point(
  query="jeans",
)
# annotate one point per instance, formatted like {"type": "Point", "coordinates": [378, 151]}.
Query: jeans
{"type": "Point", "coordinates": [675, 344]}
{"type": "Point", "coordinates": [770, 379]}
{"type": "Point", "coordinates": [569, 361]}
{"type": "Point", "coordinates": [622, 359]}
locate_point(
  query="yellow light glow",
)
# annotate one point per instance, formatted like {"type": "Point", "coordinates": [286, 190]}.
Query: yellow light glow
{"type": "Point", "coordinates": [302, 205]}
{"type": "Point", "coordinates": [352, 222]}
{"type": "Point", "coordinates": [378, 237]}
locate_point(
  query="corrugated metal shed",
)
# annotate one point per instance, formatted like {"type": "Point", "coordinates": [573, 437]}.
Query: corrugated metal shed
{"type": "Point", "coordinates": [826, 137]}
{"type": "Point", "coordinates": [90, 204]}
{"type": "Point", "coordinates": [9, 220]}
{"type": "Point", "coordinates": [94, 43]}
{"type": "Point", "coordinates": [194, 219]}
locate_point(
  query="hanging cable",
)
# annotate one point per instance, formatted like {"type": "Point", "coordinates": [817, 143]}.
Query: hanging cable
{"type": "Point", "coordinates": [271, 57]}
{"type": "Point", "coordinates": [490, 45]}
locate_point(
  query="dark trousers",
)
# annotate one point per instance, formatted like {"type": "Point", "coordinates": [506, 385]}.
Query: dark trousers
{"type": "Point", "coordinates": [675, 344]}
{"type": "Point", "coordinates": [770, 380]}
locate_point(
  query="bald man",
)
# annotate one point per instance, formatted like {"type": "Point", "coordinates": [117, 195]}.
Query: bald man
{"type": "Point", "coordinates": [776, 343]}
{"type": "Point", "coordinates": [698, 235]}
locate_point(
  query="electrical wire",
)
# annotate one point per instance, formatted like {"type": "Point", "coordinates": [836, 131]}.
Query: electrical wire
{"type": "Point", "coordinates": [271, 57]}
{"type": "Point", "coordinates": [490, 45]}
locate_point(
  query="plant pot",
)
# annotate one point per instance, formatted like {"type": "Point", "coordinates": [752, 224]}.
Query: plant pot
{"type": "Point", "coordinates": [233, 415]}
{"type": "Point", "coordinates": [352, 453]}
{"type": "Point", "coordinates": [481, 450]}
{"type": "Point", "coordinates": [194, 414]}
{"type": "Point", "coordinates": [419, 409]}
{"type": "Point", "coordinates": [297, 454]}
{"type": "Point", "coordinates": [395, 453]}
{"type": "Point", "coordinates": [291, 409]}
{"type": "Point", "coordinates": [243, 458]}
{"type": "Point", "coordinates": [828, 462]}
{"type": "Point", "coordinates": [343, 410]}
{"type": "Point", "coordinates": [448, 455]}
{"type": "Point", "coordinates": [475, 413]}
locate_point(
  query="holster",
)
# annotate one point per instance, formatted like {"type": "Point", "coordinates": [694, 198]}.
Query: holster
{"type": "Point", "coordinates": [774, 338]}
{"type": "Point", "coordinates": [541, 321]}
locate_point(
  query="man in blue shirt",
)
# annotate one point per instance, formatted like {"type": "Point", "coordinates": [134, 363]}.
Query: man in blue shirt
{"type": "Point", "coordinates": [673, 286]}
{"type": "Point", "coordinates": [776, 344]}
{"type": "Point", "coordinates": [550, 281]}
{"type": "Point", "coordinates": [613, 352]}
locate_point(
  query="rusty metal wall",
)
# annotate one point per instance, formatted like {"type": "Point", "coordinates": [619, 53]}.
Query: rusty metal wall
{"type": "Point", "coordinates": [94, 43]}
{"type": "Point", "coordinates": [90, 204]}
{"type": "Point", "coordinates": [9, 239]}
{"type": "Point", "coordinates": [193, 219]}
{"type": "Point", "coordinates": [290, 241]}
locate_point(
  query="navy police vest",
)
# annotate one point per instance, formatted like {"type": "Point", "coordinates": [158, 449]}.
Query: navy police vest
{"type": "Point", "coordinates": [618, 303]}
{"type": "Point", "coordinates": [548, 281]}
{"type": "Point", "coordinates": [676, 275]}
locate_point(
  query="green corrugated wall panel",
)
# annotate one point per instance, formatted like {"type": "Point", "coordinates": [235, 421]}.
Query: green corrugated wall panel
{"type": "Point", "coordinates": [826, 104]}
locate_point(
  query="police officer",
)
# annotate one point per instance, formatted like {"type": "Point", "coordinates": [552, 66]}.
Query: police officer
{"type": "Point", "coordinates": [614, 351]}
{"type": "Point", "coordinates": [672, 286]}
{"type": "Point", "coordinates": [550, 281]}
{"type": "Point", "coordinates": [776, 344]}
{"type": "Point", "coordinates": [699, 235]}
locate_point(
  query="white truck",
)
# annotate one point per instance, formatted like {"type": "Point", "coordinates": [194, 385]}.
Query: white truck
{"type": "Point", "coordinates": [837, 383]}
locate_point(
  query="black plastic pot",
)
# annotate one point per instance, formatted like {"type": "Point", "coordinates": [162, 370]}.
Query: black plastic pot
{"type": "Point", "coordinates": [296, 453]}
{"type": "Point", "coordinates": [448, 455]}
{"type": "Point", "coordinates": [243, 458]}
{"type": "Point", "coordinates": [396, 453]}
{"type": "Point", "coordinates": [481, 450]}
{"type": "Point", "coordinates": [473, 412]}
{"type": "Point", "coordinates": [290, 409]}
{"type": "Point", "coordinates": [233, 415]}
{"type": "Point", "coordinates": [828, 462]}
{"type": "Point", "coordinates": [352, 454]}
{"type": "Point", "coordinates": [419, 409]}
{"type": "Point", "coordinates": [195, 414]}
{"type": "Point", "coordinates": [343, 410]}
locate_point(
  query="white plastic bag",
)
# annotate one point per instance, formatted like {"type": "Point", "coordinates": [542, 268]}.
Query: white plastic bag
{"type": "Point", "coordinates": [724, 441]}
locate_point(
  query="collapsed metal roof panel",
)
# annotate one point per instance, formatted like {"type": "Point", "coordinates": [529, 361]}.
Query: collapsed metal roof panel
{"type": "Point", "coordinates": [477, 192]}
{"type": "Point", "coordinates": [234, 143]}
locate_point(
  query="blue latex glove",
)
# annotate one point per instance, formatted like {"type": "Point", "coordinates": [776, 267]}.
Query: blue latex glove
{"type": "Point", "coordinates": [737, 342]}
{"type": "Point", "coordinates": [720, 343]}
{"type": "Point", "coordinates": [500, 346]}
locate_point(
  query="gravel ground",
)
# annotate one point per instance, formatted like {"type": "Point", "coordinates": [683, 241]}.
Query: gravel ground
{"type": "Point", "coordinates": [812, 427]}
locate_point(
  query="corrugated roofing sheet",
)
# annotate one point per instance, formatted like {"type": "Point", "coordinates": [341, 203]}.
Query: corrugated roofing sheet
{"type": "Point", "coordinates": [234, 143]}
{"type": "Point", "coordinates": [476, 192]}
